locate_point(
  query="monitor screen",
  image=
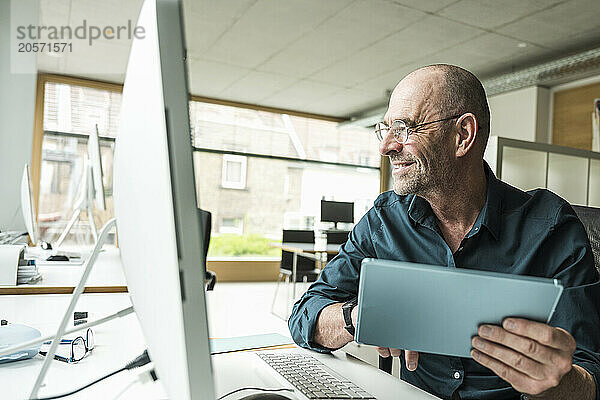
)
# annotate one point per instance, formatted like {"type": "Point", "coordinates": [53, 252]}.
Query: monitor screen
{"type": "Point", "coordinates": [337, 211]}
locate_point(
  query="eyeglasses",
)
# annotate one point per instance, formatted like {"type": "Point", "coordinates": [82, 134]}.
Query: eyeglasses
{"type": "Point", "coordinates": [80, 347]}
{"type": "Point", "coordinates": [401, 130]}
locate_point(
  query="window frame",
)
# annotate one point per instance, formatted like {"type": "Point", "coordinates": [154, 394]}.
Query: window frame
{"type": "Point", "coordinates": [232, 158]}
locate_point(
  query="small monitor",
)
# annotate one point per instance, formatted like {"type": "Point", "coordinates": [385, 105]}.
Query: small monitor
{"type": "Point", "coordinates": [159, 226]}
{"type": "Point", "coordinates": [27, 206]}
{"type": "Point", "coordinates": [337, 211]}
{"type": "Point", "coordinates": [96, 164]}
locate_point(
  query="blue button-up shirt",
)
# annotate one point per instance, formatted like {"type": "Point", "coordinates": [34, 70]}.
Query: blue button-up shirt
{"type": "Point", "coordinates": [535, 233]}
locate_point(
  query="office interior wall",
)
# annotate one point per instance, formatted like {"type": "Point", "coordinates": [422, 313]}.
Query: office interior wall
{"type": "Point", "coordinates": [17, 104]}
{"type": "Point", "coordinates": [521, 114]}
{"type": "Point", "coordinates": [572, 114]}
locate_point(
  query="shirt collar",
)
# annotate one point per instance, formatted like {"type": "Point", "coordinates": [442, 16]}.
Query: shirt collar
{"type": "Point", "coordinates": [419, 209]}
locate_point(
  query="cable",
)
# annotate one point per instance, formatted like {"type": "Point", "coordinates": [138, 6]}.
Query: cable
{"type": "Point", "coordinates": [141, 360]}
{"type": "Point", "coordinates": [255, 388]}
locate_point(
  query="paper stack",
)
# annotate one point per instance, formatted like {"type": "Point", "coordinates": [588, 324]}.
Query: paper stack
{"type": "Point", "coordinates": [28, 274]}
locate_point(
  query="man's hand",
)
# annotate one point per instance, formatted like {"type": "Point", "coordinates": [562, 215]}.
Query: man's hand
{"type": "Point", "coordinates": [411, 357]}
{"type": "Point", "coordinates": [531, 356]}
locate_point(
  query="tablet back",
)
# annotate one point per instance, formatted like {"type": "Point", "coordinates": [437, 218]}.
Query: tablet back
{"type": "Point", "coordinates": [436, 309]}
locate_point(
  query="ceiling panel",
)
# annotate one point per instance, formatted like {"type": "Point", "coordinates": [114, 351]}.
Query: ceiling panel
{"type": "Point", "coordinates": [106, 12]}
{"type": "Point", "coordinates": [488, 51]}
{"type": "Point", "coordinates": [210, 78]}
{"type": "Point", "coordinates": [301, 94]}
{"type": "Point", "coordinates": [424, 37]}
{"type": "Point", "coordinates": [54, 12]}
{"type": "Point", "coordinates": [426, 5]}
{"type": "Point", "coordinates": [347, 102]}
{"type": "Point", "coordinates": [256, 86]}
{"type": "Point", "coordinates": [112, 68]}
{"type": "Point", "coordinates": [207, 20]}
{"type": "Point", "coordinates": [489, 14]}
{"type": "Point", "coordinates": [267, 27]}
{"type": "Point", "coordinates": [554, 27]}
{"type": "Point", "coordinates": [357, 26]}
{"type": "Point", "coordinates": [385, 83]}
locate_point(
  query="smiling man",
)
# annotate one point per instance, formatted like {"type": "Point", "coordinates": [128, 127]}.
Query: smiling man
{"type": "Point", "coordinates": [448, 208]}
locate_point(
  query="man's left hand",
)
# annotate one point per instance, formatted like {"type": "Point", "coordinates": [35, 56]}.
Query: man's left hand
{"type": "Point", "coordinates": [531, 356]}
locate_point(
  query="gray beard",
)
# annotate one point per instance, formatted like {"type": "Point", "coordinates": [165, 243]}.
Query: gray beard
{"type": "Point", "coordinates": [417, 182]}
{"type": "Point", "coordinates": [422, 181]}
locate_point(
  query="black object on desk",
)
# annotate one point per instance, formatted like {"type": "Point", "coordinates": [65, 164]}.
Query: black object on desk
{"type": "Point", "coordinates": [58, 257]}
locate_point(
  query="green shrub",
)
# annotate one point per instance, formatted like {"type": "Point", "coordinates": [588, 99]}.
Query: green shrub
{"type": "Point", "coordinates": [242, 245]}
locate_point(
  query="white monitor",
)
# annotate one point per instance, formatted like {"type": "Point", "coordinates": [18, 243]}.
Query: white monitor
{"type": "Point", "coordinates": [96, 164]}
{"type": "Point", "coordinates": [27, 206]}
{"type": "Point", "coordinates": [158, 222]}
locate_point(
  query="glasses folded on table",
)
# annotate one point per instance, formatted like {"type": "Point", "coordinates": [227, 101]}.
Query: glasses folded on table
{"type": "Point", "coordinates": [80, 347]}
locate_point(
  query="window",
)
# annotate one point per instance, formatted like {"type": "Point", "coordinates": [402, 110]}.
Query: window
{"type": "Point", "coordinates": [231, 225]}
{"type": "Point", "coordinates": [71, 111]}
{"type": "Point", "coordinates": [234, 172]}
{"type": "Point", "coordinates": [295, 162]}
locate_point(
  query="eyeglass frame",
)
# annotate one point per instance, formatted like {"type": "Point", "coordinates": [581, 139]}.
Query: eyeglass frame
{"type": "Point", "coordinates": [409, 129]}
{"type": "Point", "coordinates": [86, 345]}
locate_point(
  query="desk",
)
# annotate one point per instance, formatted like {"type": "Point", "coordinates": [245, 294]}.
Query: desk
{"type": "Point", "coordinates": [106, 277]}
{"type": "Point", "coordinates": [244, 311]}
{"type": "Point", "coordinates": [310, 250]}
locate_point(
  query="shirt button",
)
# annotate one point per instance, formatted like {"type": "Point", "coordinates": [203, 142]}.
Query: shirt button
{"type": "Point", "coordinates": [457, 375]}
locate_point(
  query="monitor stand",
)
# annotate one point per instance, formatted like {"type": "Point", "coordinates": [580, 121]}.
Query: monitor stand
{"type": "Point", "coordinates": [84, 203]}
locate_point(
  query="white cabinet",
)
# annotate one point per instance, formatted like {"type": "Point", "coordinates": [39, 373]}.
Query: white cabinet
{"type": "Point", "coordinates": [573, 174]}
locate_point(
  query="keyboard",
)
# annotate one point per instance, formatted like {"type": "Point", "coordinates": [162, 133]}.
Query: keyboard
{"type": "Point", "coordinates": [11, 237]}
{"type": "Point", "coordinates": [311, 377]}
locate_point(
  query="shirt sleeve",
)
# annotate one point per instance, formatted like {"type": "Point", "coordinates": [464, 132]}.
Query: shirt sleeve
{"type": "Point", "coordinates": [338, 282]}
{"type": "Point", "coordinates": [578, 310]}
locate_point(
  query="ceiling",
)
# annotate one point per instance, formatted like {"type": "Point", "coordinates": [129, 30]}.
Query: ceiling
{"type": "Point", "coordinates": [333, 57]}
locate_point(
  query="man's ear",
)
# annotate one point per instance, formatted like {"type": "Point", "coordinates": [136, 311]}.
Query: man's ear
{"type": "Point", "coordinates": [467, 133]}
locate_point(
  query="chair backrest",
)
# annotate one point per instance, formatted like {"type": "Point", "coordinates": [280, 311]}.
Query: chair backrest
{"type": "Point", "coordinates": [337, 237]}
{"type": "Point", "coordinates": [297, 236]}
{"type": "Point", "coordinates": [590, 217]}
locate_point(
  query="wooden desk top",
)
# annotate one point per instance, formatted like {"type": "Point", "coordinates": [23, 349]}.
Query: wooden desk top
{"type": "Point", "coordinates": [106, 277]}
{"type": "Point", "coordinates": [296, 247]}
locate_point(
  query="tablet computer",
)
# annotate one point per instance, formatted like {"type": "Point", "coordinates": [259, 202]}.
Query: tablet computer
{"type": "Point", "coordinates": [435, 309]}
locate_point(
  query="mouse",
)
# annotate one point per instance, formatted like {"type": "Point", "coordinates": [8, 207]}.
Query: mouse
{"type": "Point", "coordinates": [13, 334]}
{"type": "Point", "coordinates": [57, 257]}
{"type": "Point", "coordinates": [266, 396]}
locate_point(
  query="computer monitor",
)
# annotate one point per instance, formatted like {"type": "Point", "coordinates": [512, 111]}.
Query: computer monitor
{"type": "Point", "coordinates": [158, 222]}
{"type": "Point", "coordinates": [27, 206]}
{"type": "Point", "coordinates": [337, 211]}
{"type": "Point", "coordinates": [96, 164]}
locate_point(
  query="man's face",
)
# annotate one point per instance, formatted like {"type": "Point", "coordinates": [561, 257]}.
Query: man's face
{"type": "Point", "coordinates": [421, 165]}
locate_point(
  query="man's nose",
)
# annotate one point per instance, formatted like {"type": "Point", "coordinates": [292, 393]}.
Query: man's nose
{"type": "Point", "coordinates": [389, 145]}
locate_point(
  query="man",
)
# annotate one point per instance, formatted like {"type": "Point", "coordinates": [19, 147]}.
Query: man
{"type": "Point", "coordinates": [448, 208]}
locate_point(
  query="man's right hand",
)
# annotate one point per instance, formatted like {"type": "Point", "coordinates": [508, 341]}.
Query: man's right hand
{"type": "Point", "coordinates": [411, 357]}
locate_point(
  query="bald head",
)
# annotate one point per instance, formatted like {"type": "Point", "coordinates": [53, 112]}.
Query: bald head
{"type": "Point", "coordinates": [441, 90]}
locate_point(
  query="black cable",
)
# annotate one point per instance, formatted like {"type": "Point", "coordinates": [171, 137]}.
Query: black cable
{"type": "Point", "coordinates": [255, 388]}
{"type": "Point", "coordinates": [142, 359]}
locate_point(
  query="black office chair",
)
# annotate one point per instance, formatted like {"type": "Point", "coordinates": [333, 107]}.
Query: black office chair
{"type": "Point", "coordinates": [590, 217]}
{"type": "Point", "coordinates": [336, 237]}
{"type": "Point", "coordinates": [210, 278]}
{"type": "Point", "coordinates": [305, 266]}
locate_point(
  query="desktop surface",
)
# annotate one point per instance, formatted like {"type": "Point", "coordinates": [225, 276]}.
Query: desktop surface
{"type": "Point", "coordinates": [234, 309]}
